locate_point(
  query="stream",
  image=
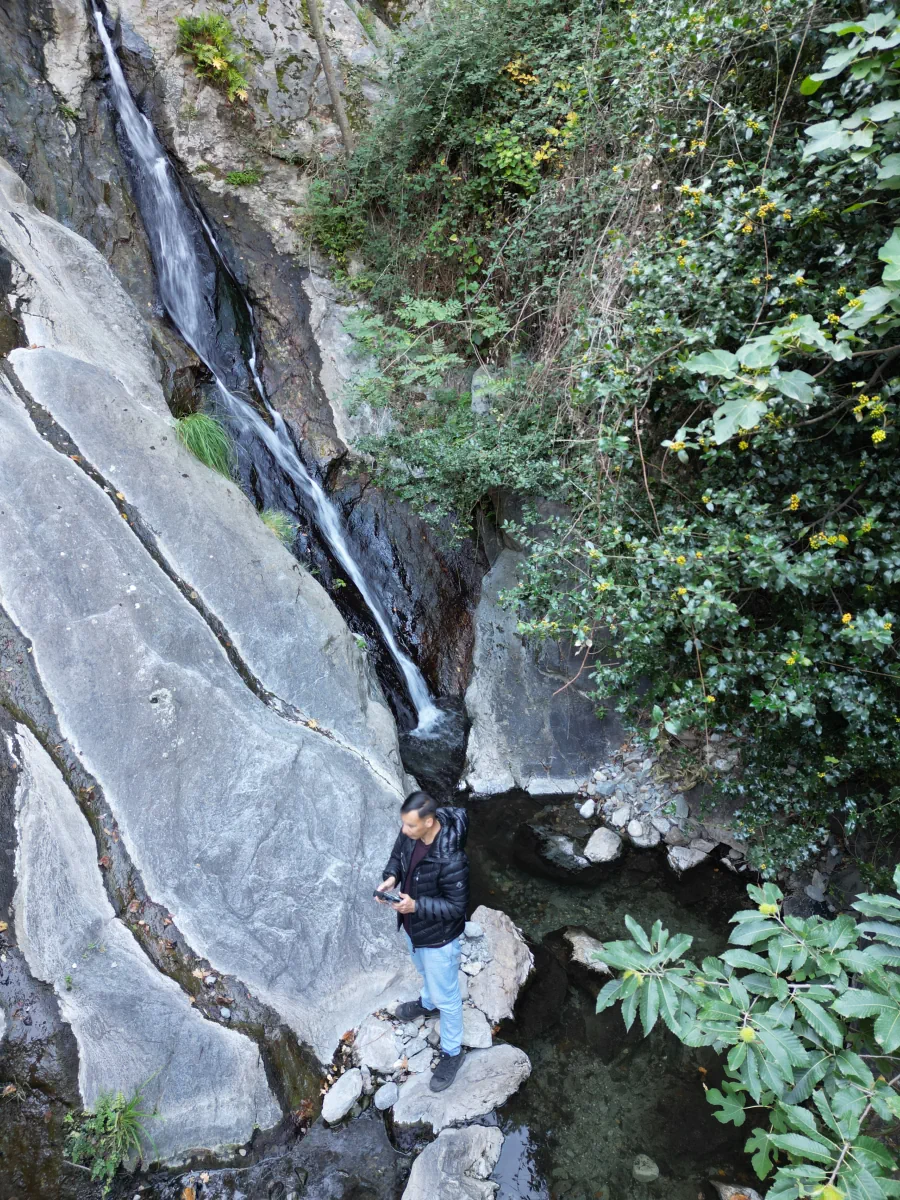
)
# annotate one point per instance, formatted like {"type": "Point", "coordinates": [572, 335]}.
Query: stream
{"type": "Point", "coordinates": [597, 1097]}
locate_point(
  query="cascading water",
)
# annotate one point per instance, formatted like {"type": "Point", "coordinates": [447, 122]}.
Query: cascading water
{"type": "Point", "coordinates": [187, 276]}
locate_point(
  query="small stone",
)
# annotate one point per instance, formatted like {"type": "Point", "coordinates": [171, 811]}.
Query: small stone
{"type": "Point", "coordinates": [409, 1030]}
{"type": "Point", "coordinates": [225, 1014]}
{"type": "Point", "coordinates": [703, 844]}
{"type": "Point", "coordinates": [606, 788]}
{"type": "Point", "coordinates": [368, 1082]}
{"type": "Point", "coordinates": [473, 930]}
{"type": "Point", "coordinates": [681, 807]}
{"type": "Point", "coordinates": [604, 846]}
{"type": "Point", "coordinates": [661, 824]}
{"type": "Point", "coordinates": [591, 789]}
{"type": "Point", "coordinates": [242, 1152]}
{"type": "Point", "coordinates": [682, 858]}
{"type": "Point", "coordinates": [472, 968]}
{"type": "Point", "coordinates": [588, 809]}
{"type": "Point", "coordinates": [644, 1169]}
{"type": "Point", "coordinates": [342, 1095]}
{"type": "Point", "coordinates": [635, 829]}
{"type": "Point", "coordinates": [386, 1096]}
{"type": "Point", "coordinates": [420, 1061]}
{"type": "Point", "coordinates": [675, 837]}
{"type": "Point", "coordinates": [210, 980]}
{"type": "Point", "coordinates": [621, 816]}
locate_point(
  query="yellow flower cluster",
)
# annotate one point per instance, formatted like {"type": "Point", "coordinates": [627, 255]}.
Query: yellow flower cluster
{"type": "Point", "coordinates": [795, 502]}
{"type": "Point", "coordinates": [818, 540]}
{"type": "Point", "coordinates": [846, 618]}
{"type": "Point", "coordinates": [676, 446]}
{"type": "Point", "coordinates": [878, 436]}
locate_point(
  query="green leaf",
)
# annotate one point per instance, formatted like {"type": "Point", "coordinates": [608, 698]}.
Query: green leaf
{"type": "Point", "coordinates": [796, 385]}
{"type": "Point", "coordinates": [757, 353]}
{"type": "Point", "coordinates": [669, 1006]}
{"type": "Point", "coordinates": [864, 1186]}
{"type": "Point", "coordinates": [890, 254]}
{"type": "Point", "coordinates": [713, 362]}
{"type": "Point", "coordinates": [802, 1147]}
{"type": "Point", "coordinates": [637, 933]}
{"type": "Point", "coordinates": [860, 1002]}
{"type": "Point", "coordinates": [810, 86]}
{"type": "Point", "coordinates": [733, 415]}
{"type": "Point", "coordinates": [887, 1029]}
{"type": "Point", "coordinates": [731, 1106]}
{"type": "Point", "coordinates": [851, 1066]}
{"type": "Point", "coordinates": [649, 1005]}
{"type": "Point", "coordinates": [822, 1022]}
{"type": "Point", "coordinates": [806, 1080]}
{"type": "Point", "coordinates": [609, 993]}
{"type": "Point", "coordinates": [746, 959]}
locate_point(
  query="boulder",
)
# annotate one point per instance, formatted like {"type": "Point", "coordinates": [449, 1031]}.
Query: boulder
{"type": "Point", "coordinates": [342, 1095]}
{"type": "Point", "coordinates": [682, 858]}
{"type": "Point", "coordinates": [494, 990]}
{"type": "Point", "coordinates": [604, 846]}
{"type": "Point", "coordinates": [135, 1028]}
{"type": "Point", "coordinates": [218, 699]}
{"type": "Point", "coordinates": [485, 1080]}
{"type": "Point", "coordinates": [644, 1169]}
{"type": "Point", "coordinates": [528, 729]}
{"type": "Point", "coordinates": [584, 948]}
{"type": "Point", "coordinates": [376, 1046]}
{"type": "Point", "coordinates": [457, 1166]}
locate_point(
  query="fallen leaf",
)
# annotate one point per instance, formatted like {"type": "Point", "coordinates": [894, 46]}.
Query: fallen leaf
{"type": "Point", "coordinates": [9, 1090]}
{"type": "Point", "coordinates": [134, 906]}
{"type": "Point", "coordinates": [105, 861]}
{"type": "Point", "coordinates": [120, 496]}
{"type": "Point", "coordinates": [167, 920]}
{"type": "Point", "coordinates": [3, 926]}
{"type": "Point", "coordinates": [197, 973]}
{"type": "Point", "coordinates": [312, 724]}
{"type": "Point", "coordinates": [189, 1193]}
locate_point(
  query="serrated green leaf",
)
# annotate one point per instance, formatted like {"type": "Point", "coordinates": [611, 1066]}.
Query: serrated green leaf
{"type": "Point", "coordinates": [802, 1147]}
{"type": "Point", "coordinates": [649, 1005]}
{"type": "Point", "coordinates": [638, 933]}
{"type": "Point", "coordinates": [822, 1022]}
{"type": "Point", "coordinates": [861, 1002]}
{"type": "Point", "coordinates": [887, 1029]}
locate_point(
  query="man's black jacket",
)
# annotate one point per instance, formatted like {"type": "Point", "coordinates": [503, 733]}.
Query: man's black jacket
{"type": "Point", "coordinates": [440, 884]}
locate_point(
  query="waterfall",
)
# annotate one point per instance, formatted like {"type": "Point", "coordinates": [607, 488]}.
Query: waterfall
{"type": "Point", "coordinates": [187, 289]}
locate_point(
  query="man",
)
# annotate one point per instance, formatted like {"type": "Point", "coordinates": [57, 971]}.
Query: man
{"type": "Point", "coordinates": [429, 861]}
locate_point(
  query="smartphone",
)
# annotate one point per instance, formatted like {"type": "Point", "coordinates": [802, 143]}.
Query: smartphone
{"type": "Point", "coordinates": [390, 897]}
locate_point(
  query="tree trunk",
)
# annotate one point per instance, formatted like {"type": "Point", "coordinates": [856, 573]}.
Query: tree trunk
{"type": "Point", "coordinates": [337, 102]}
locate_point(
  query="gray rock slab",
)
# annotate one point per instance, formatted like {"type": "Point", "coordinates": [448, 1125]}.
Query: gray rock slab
{"type": "Point", "coordinates": [95, 373]}
{"type": "Point", "coordinates": [342, 1095]}
{"type": "Point", "coordinates": [456, 1166]}
{"type": "Point", "coordinates": [524, 735]}
{"type": "Point", "coordinates": [621, 816]}
{"type": "Point", "coordinates": [420, 1061]}
{"type": "Point", "coordinates": [134, 1027]}
{"type": "Point", "coordinates": [376, 1045]}
{"type": "Point", "coordinates": [226, 808]}
{"type": "Point", "coordinates": [603, 846]}
{"type": "Point", "coordinates": [494, 990]}
{"type": "Point", "coordinates": [486, 1079]}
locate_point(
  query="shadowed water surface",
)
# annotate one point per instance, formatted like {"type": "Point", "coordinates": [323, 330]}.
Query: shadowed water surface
{"type": "Point", "coordinates": [598, 1096]}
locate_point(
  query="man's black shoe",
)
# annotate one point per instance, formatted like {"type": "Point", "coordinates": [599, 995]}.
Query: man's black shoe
{"type": "Point", "coordinates": [445, 1072]}
{"type": "Point", "coordinates": [410, 1009]}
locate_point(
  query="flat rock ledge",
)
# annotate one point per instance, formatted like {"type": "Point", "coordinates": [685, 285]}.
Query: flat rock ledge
{"type": "Point", "coordinates": [457, 1166]}
{"type": "Point", "coordinates": [135, 1028]}
{"type": "Point", "coordinates": [486, 1079]}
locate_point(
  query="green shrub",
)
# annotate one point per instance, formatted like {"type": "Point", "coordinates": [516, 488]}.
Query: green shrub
{"type": "Point", "coordinates": [244, 178]}
{"type": "Point", "coordinates": [208, 440]}
{"type": "Point", "coordinates": [103, 1138]}
{"type": "Point", "coordinates": [806, 1012]}
{"type": "Point", "coordinates": [283, 526]}
{"type": "Point", "coordinates": [208, 39]}
{"type": "Point", "coordinates": [697, 292]}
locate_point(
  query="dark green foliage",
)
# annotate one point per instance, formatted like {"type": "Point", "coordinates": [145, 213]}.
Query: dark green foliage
{"type": "Point", "coordinates": [695, 300]}
{"type": "Point", "coordinates": [209, 40]}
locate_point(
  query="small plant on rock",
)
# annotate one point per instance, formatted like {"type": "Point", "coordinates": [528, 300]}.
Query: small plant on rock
{"type": "Point", "coordinates": [102, 1138]}
{"type": "Point", "coordinates": [208, 440]}
{"type": "Point", "coordinates": [208, 39]}
{"type": "Point", "coordinates": [244, 178]}
{"type": "Point", "coordinates": [283, 526]}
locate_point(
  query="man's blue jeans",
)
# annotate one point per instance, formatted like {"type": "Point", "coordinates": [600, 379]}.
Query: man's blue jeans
{"type": "Point", "coordinates": [439, 968]}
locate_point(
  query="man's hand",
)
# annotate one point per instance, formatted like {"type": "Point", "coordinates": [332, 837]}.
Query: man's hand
{"type": "Point", "coordinates": [406, 905]}
{"type": "Point", "coordinates": [386, 887]}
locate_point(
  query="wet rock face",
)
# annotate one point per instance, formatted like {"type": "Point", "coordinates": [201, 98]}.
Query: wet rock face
{"type": "Point", "coordinates": [434, 756]}
{"type": "Point", "coordinates": [529, 729]}
{"type": "Point", "coordinates": [351, 1162]}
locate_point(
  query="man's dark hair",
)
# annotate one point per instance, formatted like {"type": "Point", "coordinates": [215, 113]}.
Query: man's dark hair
{"type": "Point", "coordinates": [420, 802]}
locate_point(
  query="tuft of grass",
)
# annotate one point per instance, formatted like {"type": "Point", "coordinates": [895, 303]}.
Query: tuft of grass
{"type": "Point", "coordinates": [245, 178]}
{"type": "Point", "coordinates": [208, 440]}
{"type": "Point", "coordinates": [209, 40]}
{"type": "Point", "coordinates": [102, 1138]}
{"type": "Point", "coordinates": [283, 526]}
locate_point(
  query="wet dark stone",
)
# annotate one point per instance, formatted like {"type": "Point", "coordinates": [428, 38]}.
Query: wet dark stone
{"type": "Point", "coordinates": [541, 1000]}
{"type": "Point", "coordinates": [550, 843]}
{"type": "Point", "coordinates": [435, 756]}
{"type": "Point", "coordinates": [353, 1162]}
